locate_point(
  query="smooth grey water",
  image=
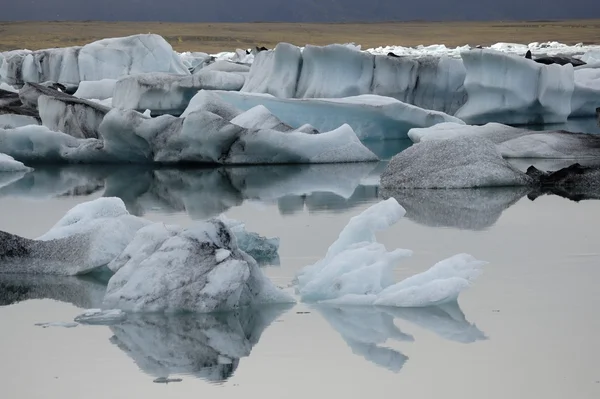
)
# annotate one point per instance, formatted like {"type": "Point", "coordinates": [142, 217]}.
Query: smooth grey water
{"type": "Point", "coordinates": [527, 328]}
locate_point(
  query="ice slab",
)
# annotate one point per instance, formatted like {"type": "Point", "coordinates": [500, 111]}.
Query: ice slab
{"type": "Point", "coordinates": [372, 117]}
{"type": "Point", "coordinates": [57, 324]}
{"type": "Point", "coordinates": [101, 317]}
{"type": "Point", "coordinates": [165, 93]}
{"type": "Point", "coordinates": [463, 162]}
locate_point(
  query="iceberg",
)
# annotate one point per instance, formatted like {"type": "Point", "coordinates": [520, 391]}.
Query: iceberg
{"type": "Point", "coordinates": [264, 250]}
{"type": "Point", "coordinates": [199, 269]}
{"type": "Point", "coordinates": [586, 93]}
{"type": "Point", "coordinates": [130, 136]}
{"type": "Point", "coordinates": [337, 71]}
{"type": "Point", "coordinates": [506, 88]}
{"type": "Point", "coordinates": [14, 120]}
{"type": "Point", "coordinates": [114, 58]}
{"type": "Point", "coordinates": [164, 93]}
{"type": "Point", "coordinates": [101, 317]}
{"type": "Point", "coordinates": [514, 142]}
{"type": "Point", "coordinates": [372, 117]}
{"type": "Point", "coordinates": [357, 270]}
{"type": "Point", "coordinates": [103, 59]}
{"type": "Point", "coordinates": [463, 162]}
{"type": "Point", "coordinates": [8, 164]}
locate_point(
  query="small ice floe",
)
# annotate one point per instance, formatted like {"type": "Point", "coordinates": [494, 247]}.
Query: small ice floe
{"type": "Point", "coordinates": [57, 324]}
{"type": "Point", "coordinates": [357, 270]}
{"type": "Point", "coordinates": [99, 316]}
{"type": "Point", "coordinates": [166, 380]}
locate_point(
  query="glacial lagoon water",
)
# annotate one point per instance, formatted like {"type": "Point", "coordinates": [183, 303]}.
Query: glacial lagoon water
{"type": "Point", "coordinates": [528, 327]}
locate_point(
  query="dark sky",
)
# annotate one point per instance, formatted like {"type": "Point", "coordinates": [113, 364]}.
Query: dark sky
{"type": "Point", "coordinates": [296, 10]}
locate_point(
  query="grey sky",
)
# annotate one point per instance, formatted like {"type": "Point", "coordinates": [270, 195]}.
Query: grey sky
{"type": "Point", "coordinates": [297, 10]}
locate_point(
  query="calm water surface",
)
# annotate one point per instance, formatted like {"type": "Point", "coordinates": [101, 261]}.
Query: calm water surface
{"type": "Point", "coordinates": [528, 327]}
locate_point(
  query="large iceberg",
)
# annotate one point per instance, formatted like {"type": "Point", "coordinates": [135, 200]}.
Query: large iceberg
{"type": "Point", "coordinates": [357, 270]}
{"type": "Point", "coordinates": [372, 117]}
{"type": "Point", "coordinates": [511, 89]}
{"type": "Point", "coordinates": [514, 142]}
{"type": "Point", "coordinates": [340, 71]}
{"type": "Point", "coordinates": [463, 162]}
{"type": "Point", "coordinates": [103, 59]}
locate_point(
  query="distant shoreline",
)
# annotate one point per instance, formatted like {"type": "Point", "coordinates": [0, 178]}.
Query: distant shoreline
{"type": "Point", "coordinates": [216, 37]}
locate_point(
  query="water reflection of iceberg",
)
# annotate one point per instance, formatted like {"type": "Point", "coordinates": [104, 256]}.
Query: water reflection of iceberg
{"type": "Point", "coordinates": [205, 346]}
{"type": "Point", "coordinates": [83, 292]}
{"type": "Point", "coordinates": [204, 193]}
{"type": "Point", "coordinates": [365, 330]}
{"type": "Point", "coordinates": [470, 209]}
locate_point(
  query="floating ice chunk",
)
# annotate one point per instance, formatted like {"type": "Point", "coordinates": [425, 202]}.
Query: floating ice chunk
{"type": "Point", "coordinates": [4, 86]}
{"type": "Point", "coordinates": [97, 89]}
{"type": "Point", "coordinates": [114, 58]}
{"type": "Point", "coordinates": [168, 93]}
{"type": "Point", "coordinates": [511, 89]}
{"type": "Point", "coordinates": [442, 283]}
{"type": "Point", "coordinates": [371, 117]}
{"type": "Point", "coordinates": [102, 317]}
{"type": "Point", "coordinates": [358, 271]}
{"type": "Point", "coordinates": [105, 222]}
{"type": "Point", "coordinates": [8, 164]}
{"type": "Point", "coordinates": [188, 273]}
{"type": "Point", "coordinates": [264, 250]}
{"type": "Point", "coordinates": [463, 162]}
{"type": "Point", "coordinates": [591, 57]}
{"type": "Point", "coordinates": [57, 324]}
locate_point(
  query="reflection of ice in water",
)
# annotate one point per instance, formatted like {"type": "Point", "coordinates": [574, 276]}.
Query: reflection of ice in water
{"type": "Point", "coordinates": [205, 346]}
{"type": "Point", "coordinates": [366, 329]}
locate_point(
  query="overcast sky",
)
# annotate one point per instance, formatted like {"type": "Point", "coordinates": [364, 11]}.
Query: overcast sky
{"type": "Point", "coordinates": [296, 10]}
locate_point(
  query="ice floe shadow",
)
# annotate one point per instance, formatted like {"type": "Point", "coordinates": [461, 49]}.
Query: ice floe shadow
{"type": "Point", "coordinates": [465, 209]}
{"type": "Point", "coordinates": [83, 292]}
{"type": "Point", "coordinates": [207, 192]}
{"type": "Point", "coordinates": [205, 346]}
{"type": "Point", "coordinates": [366, 329]}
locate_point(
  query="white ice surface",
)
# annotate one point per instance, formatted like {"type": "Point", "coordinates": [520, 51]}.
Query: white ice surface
{"type": "Point", "coordinates": [11, 121]}
{"type": "Point", "coordinates": [96, 89]}
{"type": "Point", "coordinates": [357, 270]}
